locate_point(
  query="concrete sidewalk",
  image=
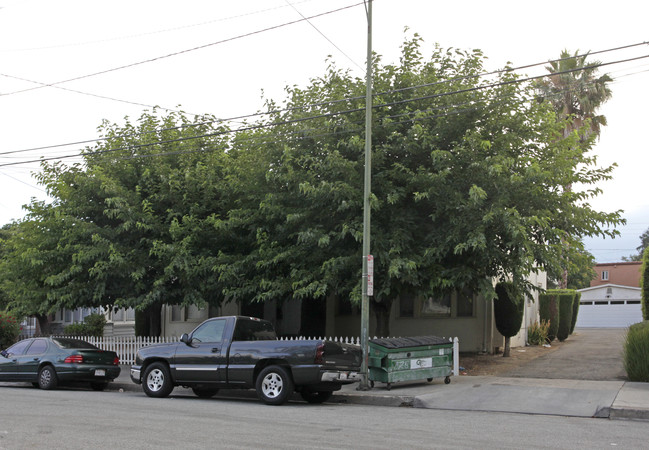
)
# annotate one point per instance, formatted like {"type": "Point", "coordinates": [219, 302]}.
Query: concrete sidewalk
{"type": "Point", "coordinates": [578, 398]}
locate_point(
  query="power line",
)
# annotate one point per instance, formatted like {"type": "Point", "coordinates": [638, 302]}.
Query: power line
{"type": "Point", "coordinates": [181, 52]}
{"type": "Point", "coordinates": [332, 102]}
{"type": "Point", "coordinates": [292, 121]}
{"type": "Point", "coordinates": [166, 30]}
{"type": "Point", "coordinates": [324, 36]}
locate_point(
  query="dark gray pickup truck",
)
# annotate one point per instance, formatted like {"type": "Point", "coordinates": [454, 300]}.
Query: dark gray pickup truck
{"type": "Point", "coordinates": [243, 352]}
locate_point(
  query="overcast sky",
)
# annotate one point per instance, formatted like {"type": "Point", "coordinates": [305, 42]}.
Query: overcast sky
{"type": "Point", "coordinates": [223, 57]}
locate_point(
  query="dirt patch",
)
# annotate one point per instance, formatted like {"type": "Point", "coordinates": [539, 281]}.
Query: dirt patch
{"type": "Point", "coordinates": [477, 364]}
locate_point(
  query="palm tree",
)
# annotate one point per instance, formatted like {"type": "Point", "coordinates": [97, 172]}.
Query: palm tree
{"type": "Point", "coordinates": [576, 93]}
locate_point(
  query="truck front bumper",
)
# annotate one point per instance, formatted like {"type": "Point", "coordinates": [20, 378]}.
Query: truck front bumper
{"type": "Point", "coordinates": [135, 375]}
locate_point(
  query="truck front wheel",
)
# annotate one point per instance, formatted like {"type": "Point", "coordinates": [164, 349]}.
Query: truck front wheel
{"type": "Point", "coordinates": [274, 385]}
{"type": "Point", "coordinates": [157, 380]}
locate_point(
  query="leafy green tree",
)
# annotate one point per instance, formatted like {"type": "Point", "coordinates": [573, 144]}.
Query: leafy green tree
{"type": "Point", "coordinates": [508, 312]}
{"type": "Point", "coordinates": [466, 187]}
{"type": "Point", "coordinates": [131, 227]}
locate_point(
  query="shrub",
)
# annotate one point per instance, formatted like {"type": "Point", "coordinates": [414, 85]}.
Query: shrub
{"type": "Point", "coordinates": [644, 284]}
{"type": "Point", "coordinates": [575, 311]}
{"type": "Point", "coordinates": [636, 352]}
{"type": "Point", "coordinates": [508, 312]}
{"type": "Point", "coordinates": [549, 312]}
{"type": "Point", "coordinates": [9, 329]}
{"type": "Point", "coordinates": [538, 334]}
{"type": "Point", "coordinates": [566, 300]}
{"type": "Point", "coordinates": [93, 325]}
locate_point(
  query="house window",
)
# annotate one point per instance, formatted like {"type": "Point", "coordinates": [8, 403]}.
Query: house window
{"type": "Point", "coordinates": [605, 275]}
{"type": "Point", "coordinates": [176, 313]}
{"type": "Point", "coordinates": [439, 306]}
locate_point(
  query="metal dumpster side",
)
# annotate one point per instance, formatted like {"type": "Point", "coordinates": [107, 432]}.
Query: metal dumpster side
{"type": "Point", "coordinates": [412, 358]}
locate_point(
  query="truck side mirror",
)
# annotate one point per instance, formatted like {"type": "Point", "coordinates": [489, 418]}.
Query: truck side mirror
{"type": "Point", "coordinates": [185, 339]}
{"type": "Point", "coordinates": [4, 353]}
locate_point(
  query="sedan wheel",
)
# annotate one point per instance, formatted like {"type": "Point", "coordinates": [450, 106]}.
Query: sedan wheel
{"type": "Point", "coordinates": [47, 378]}
{"type": "Point", "coordinates": [157, 381]}
{"type": "Point", "coordinates": [274, 385]}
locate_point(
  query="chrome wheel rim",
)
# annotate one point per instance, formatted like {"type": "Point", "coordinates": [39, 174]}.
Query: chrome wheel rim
{"type": "Point", "coordinates": [155, 380]}
{"type": "Point", "coordinates": [272, 385]}
{"type": "Point", "coordinates": [46, 377]}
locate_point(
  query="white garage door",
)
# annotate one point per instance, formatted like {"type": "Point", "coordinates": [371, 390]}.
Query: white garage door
{"type": "Point", "coordinates": [609, 313]}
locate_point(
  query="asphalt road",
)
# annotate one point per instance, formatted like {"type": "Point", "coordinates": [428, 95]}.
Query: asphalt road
{"type": "Point", "coordinates": [82, 419]}
{"type": "Point", "coordinates": [588, 354]}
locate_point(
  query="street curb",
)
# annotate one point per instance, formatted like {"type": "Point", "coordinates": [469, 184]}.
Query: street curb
{"type": "Point", "coordinates": [629, 414]}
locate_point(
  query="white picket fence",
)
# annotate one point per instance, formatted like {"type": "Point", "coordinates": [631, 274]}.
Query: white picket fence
{"type": "Point", "coordinates": [127, 346]}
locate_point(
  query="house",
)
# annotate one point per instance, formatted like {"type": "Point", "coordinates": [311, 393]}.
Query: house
{"type": "Point", "coordinates": [620, 273]}
{"type": "Point", "coordinates": [461, 314]}
{"type": "Point", "coordinates": [614, 297]}
{"type": "Point", "coordinates": [609, 306]}
{"type": "Point", "coordinates": [120, 322]}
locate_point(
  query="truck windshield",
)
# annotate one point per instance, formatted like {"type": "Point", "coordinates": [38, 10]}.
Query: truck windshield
{"type": "Point", "coordinates": [253, 330]}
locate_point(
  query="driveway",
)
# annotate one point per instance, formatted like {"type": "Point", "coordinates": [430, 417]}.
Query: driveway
{"type": "Point", "coordinates": [588, 354]}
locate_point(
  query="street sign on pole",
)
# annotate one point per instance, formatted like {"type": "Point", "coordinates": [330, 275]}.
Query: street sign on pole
{"type": "Point", "coordinates": [370, 275]}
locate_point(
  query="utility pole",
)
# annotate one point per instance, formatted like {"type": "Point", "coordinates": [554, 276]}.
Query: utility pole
{"type": "Point", "coordinates": [365, 305]}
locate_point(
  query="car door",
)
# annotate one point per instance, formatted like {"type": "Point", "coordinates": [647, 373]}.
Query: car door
{"type": "Point", "coordinates": [202, 359]}
{"type": "Point", "coordinates": [9, 361]}
{"type": "Point", "coordinates": [29, 362]}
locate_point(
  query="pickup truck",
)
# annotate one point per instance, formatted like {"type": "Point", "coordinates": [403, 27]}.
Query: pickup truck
{"type": "Point", "coordinates": [244, 352]}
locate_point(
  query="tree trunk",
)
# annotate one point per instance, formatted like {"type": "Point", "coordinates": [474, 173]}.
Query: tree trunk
{"type": "Point", "coordinates": [150, 321]}
{"type": "Point", "coordinates": [507, 350]}
{"type": "Point", "coordinates": [43, 324]}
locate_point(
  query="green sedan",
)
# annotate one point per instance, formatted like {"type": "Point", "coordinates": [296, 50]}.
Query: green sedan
{"type": "Point", "coordinates": [46, 362]}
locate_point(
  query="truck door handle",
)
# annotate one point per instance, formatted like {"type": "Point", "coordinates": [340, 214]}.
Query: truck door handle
{"type": "Point", "coordinates": [215, 350]}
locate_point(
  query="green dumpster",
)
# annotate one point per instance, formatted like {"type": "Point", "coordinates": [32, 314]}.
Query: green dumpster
{"type": "Point", "coordinates": [410, 358]}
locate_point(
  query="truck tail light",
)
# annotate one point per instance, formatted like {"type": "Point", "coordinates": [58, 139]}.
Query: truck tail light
{"type": "Point", "coordinates": [116, 361]}
{"type": "Point", "coordinates": [74, 359]}
{"type": "Point", "coordinates": [319, 354]}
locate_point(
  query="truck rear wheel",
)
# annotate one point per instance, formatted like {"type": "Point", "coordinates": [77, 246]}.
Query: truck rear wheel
{"type": "Point", "coordinates": [274, 385]}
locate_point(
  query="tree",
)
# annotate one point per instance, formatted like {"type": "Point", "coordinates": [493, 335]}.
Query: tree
{"type": "Point", "coordinates": [467, 188]}
{"type": "Point", "coordinates": [460, 194]}
{"type": "Point", "coordinates": [508, 312]}
{"type": "Point", "coordinates": [128, 228]}
{"type": "Point", "coordinates": [576, 93]}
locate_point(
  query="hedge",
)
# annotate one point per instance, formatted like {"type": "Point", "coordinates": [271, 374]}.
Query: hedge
{"type": "Point", "coordinates": [636, 352]}
{"type": "Point", "coordinates": [549, 312]}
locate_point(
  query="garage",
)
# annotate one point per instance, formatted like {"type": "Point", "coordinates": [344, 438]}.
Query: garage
{"type": "Point", "coordinates": [609, 306]}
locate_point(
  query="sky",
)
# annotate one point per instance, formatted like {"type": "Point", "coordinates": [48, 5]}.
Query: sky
{"type": "Point", "coordinates": [112, 60]}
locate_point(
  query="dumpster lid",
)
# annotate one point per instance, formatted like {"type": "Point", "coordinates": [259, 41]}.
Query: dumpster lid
{"type": "Point", "coordinates": [414, 341]}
